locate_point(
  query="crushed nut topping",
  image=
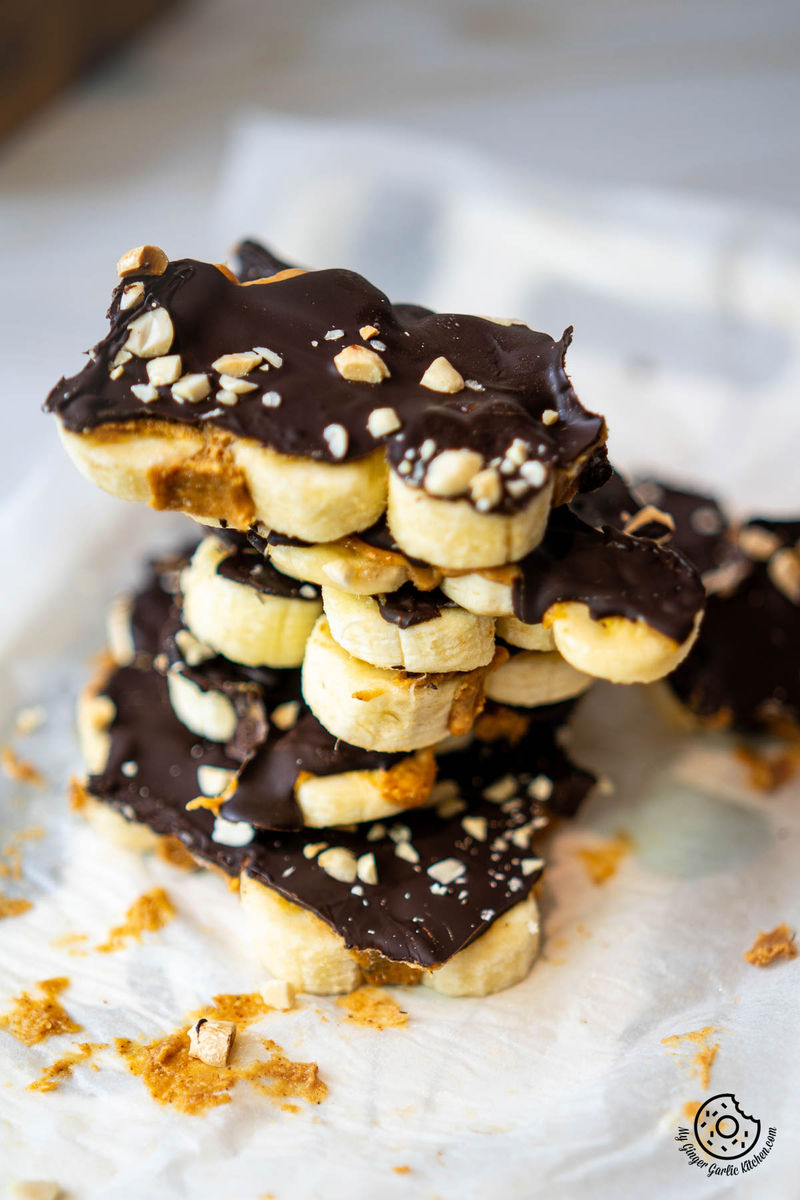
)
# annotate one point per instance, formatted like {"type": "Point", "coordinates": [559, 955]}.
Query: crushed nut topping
{"type": "Point", "coordinates": [451, 472]}
{"type": "Point", "coordinates": [446, 871]}
{"type": "Point", "coordinates": [366, 869]}
{"type": "Point", "coordinates": [337, 439]}
{"type": "Point", "coordinates": [238, 364]}
{"type": "Point", "coordinates": [132, 296]}
{"type": "Point", "coordinates": [231, 383]}
{"type": "Point", "coordinates": [367, 332]}
{"type": "Point", "coordinates": [382, 421]}
{"type": "Point", "coordinates": [164, 370]}
{"type": "Point", "coordinates": [278, 993]}
{"type": "Point", "coordinates": [143, 260]}
{"type": "Point", "coordinates": [150, 334]}
{"type": "Point", "coordinates": [193, 388]}
{"type": "Point", "coordinates": [212, 1041]}
{"type": "Point", "coordinates": [441, 376]}
{"type": "Point", "coordinates": [338, 863]}
{"type": "Point", "coordinates": [213, 781]}
{"type": "Point", "coordinates": [476, 827]}
{"type": "Point", "coordinates": [549, 416]}
{"type": "Point", "coordinates": [232, 833]}
{"type": "Point", "coordinates": [144, 392]}
{"type": "Point", "coordinates": [285, 715]}
{"type": "Point", "coordinates": [360, 364]}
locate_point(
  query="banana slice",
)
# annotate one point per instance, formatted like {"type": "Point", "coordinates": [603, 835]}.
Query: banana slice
{"type": "Point", "coordinates": [296, 945]}
{"type": "Point", "coordinates": [343, 564]}
{"type": "Point", "coordinates": [534, 677]}
{"type": "Point", "coordinates": [453, 534]}
{"type": "Point", "coordinates": [382, 709]}
{"type": "Point", "coordinates": [615, 648]}
{"type": "Point", "coordinates": [486, 593]}
{"type": "Point", "coordinates": [527, 637]}
{"type": "Point", "coordinates": [356, 796]}
{"type": "Point", "coordinates": [265, 622]}
{"type": "Point", "coordinates": [202, 471]}
{"type": "Point", "coordinates": [442, 638]}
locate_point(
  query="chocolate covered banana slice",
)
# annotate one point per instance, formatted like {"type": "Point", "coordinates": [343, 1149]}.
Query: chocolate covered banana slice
{"type": "Point", "coordinates": [280, 400]}
{"type": "Point", "coordinates": [236, 602]}
{"type": "Point", "coordinates": [443, 897]}
{"type": "Point", "coordinates": [618, 607]}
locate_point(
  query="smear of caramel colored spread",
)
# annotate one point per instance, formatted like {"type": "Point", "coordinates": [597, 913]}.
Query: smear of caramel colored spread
{"type": "Point", "coordinates": [697, 1051]}
{"type": "Point", "coordinates": [34, 1018]}
{"type": "Point", "coordinates": [603, 860]}
{"type": "Point", "coordinates": [153, 910]}
{"type": "Point", "coordinates": [401, 1170]}
{"type": "Point", "coordinates": [193, 1087]}
{"type": "Point", "coordinates": [9, 907]}
{"type": "Point", "coordinates": [766, 772]}
{"type": "Point", "coordinates": [72, 942]}
{"type": "Point", "coordinates": [777, 943]}
{"type": "Point", "coordinates": [54, 1075]}
{"type": "Point", "coordinates": [19, 769]}
{"type": "Point", "coordinates": [690, 1109]}
{"type": "Point", "coordinates": [374, 1008]}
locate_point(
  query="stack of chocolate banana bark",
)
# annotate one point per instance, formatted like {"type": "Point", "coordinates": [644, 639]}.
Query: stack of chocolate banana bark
{"type": "Point", "coordinates": [346, 693]}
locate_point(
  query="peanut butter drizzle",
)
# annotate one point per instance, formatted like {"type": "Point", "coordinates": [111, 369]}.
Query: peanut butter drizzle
{"type": "Point", "coordinates": [700, 1062]}
{"type": "Point", "coordinates": [690, 1109]}
{"type": "Point", "coordinates": [777, 943]}
{"type": "Point", "coordinates": [54, 1075]}
{"type": "Point", "coordinates": [767, 772]}
{"type": "Point", "coordinates": [10, 907]}
{"type": "Point", "coordinates": [35, 1018]}
{"type": "Point", "coordinates": [152, 911]}
{"type": "Point", "coordinates": [11, 864]}
{"type": "Point", "coordinates": [603, 861]}
{"type": "Point", "coordinates": [374, 1008]}
{"type": "Point", "coordinates": [193, 1087]}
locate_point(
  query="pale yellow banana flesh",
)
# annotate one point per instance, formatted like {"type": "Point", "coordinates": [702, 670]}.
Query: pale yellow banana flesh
{"type": "Point", "coordinates": [615, 648]}
{"type": "Point", "coordinates": [377, 708]}
{"type": "Point", "coordinates": [455, 640]}
{"type": "Point", "coordinates": [239, 622]}
{"type": "Point", "coordinates": [533, 678]}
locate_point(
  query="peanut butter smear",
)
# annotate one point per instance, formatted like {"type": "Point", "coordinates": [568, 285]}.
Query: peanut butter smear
{"type": "Point", "coordinates": [767, 772]}
{"type": "Point", "coordinates": [9, 907]}
{"type": "Point", "coordinates": [373, 1008]}
{"type": "Point", "coordinates": [152, 911]}
{"type": "Point", "coordinates": [690, 1109]}
{"type": "Point", "coordinates": [601, 862]}
{"type": "Point", "coordinates": [11, 861]}
{"type": "Point", "coordinates": [697, 1051]}
{"type": "Point", "coordinates": [777, 943]}
{"type": "Point", "coordinates": [54, 1075]}
{"type": "Point", "coordinates": [35, 1018]}
{"type": "Point", "coordinates": [193, 1087]}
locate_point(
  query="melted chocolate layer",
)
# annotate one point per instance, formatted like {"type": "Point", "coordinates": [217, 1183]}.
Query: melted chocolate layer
{"type": "Point", "coordinates": [246, 566]}
{"type": "Point", "coordinates": [745, 666]}
{"type": "Point", "coordinates": [408, 606]}
{"type": "Point", "coordinates": [407, 915]}
{"type": "Point", "coordinates": [513, 373]}
{"type": "Point", "coordinates": [613, 574]}
{"type": "Point", "coordinates": [701, 526]}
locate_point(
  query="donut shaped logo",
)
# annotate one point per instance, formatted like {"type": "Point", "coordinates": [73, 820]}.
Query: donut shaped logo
{"type": "Point", "coordinates": [723, 1130]}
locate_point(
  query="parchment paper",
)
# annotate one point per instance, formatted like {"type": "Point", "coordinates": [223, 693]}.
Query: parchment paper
{"type": "Point", "coordinates": [688, 338]}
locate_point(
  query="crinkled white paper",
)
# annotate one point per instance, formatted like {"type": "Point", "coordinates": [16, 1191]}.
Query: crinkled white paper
{"type": "Point", "coordinates": [688, 338]}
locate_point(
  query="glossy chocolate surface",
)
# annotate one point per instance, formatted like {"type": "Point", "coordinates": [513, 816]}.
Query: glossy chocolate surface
{"type": "Point", "coordinates": [512, 374]}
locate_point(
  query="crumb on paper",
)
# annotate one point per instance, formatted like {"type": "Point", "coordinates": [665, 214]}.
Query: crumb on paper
{"type": "Point", "coordinates": [34, 1018]}
{"type": "Point", "coordinates": [35, 1189]}
{"type": "Point", "coordinates": [697, 1050]}
{"type": "Point", "coordinates": [404, 1170]}
{"type": "Point", "coordinates": [212, 1041]}
{"type": "Point", "coordinates": [13, 907]}
{"type": "Point", "coordinates": [11, 853]}
{"type": "Point", "coordinates": [19, 769]}
{"type": "Point", "coordinates": [152, 911]}
{"type": "Point", "coordinates": [690, 1109]}
{"type": "Point", "coordinates": [776, 943]}
{"type": "Point", "coordinates": [71, 942]}
{"type": "Point", "coordinates": [278, 993]}
{"type": "Point", "coordinates": [603, 860]}
{"type": "Point", "coordinates": [173, 851]}
{"type": "Point", "coordinates": [54, 1075]}
{"type": "Point", "coordinates": [768, 771]}
{"type": "Point", "coordinates": [77, 795]}
{"type": "Point", "coordinates": [28, 720]}
{"type": "Point", "coordinates": [374, 1008]}
{"type": "Point", "coordinates": [192, 1086]}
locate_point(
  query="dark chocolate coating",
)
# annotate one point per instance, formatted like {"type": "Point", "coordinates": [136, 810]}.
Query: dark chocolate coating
{"type": "Point", "coordinates": [406, 916]}
{"type": "Point", "coordinates": [408, 606]}
{"type": "Point", "coordinates": [246, 566]}
{"type": "Point", "coordinates": [516, 373]}
{"type": "Point", "coordinates": [745, 667]}
{"type": "Point", "coordinates": [253, 261]}
{"type": "Point", "coordinates": [613, 574]}
{"type": "Point", "coordinates": [701, 525]}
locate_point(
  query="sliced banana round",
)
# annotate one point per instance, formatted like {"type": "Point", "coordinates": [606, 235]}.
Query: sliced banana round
{"type": "Point", "coordinates": [441, 636]}
{"type": "Point", "coordinates": [615, 648]}
{"type": "Point", "coordinates": [296, 945]}
{"type": "Point", "coordinates": [370, 795]}
{"type": "Point", "coordinates": [488, 594]}
{"type": "Point", "coordinates": [203, 472]}
{"type": "Point", "coordinates": [454, 534]}
{"type": "Point", "coordinates": [527, 637]}
{"type": "Point", "coordinates": [244, 609]}
{"type": "Point", "coordinates": [342, 564]}
{"type": "Point", "coordinates": [534, 677]}
{"type": "Point", "coordinates": [382, 709]}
